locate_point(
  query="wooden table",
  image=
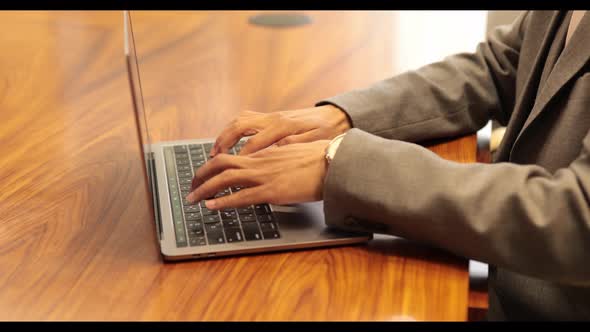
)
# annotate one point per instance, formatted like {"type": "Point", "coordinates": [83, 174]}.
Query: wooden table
{"type": "Point", "coordinates": [76, 241]}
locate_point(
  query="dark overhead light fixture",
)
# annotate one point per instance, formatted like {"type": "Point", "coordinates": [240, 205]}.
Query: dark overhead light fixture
{"type": "Point", "coordinates": [280, 20]}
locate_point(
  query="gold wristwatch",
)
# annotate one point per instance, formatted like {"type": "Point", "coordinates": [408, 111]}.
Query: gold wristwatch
{"type": "Point", "coordinates": [332, 147]}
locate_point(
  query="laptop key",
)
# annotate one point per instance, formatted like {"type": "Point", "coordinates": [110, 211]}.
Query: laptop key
{"type": "Point", "coordinates": [262, 209]}
{"type": "Point", "coordinates": [194, 224]}
{"type": "Point", "coordinates": [191, 209]}
{"type": "Point", "coordinates": [268, 227]}
{"type": "Point", "coordinates": [183, 168]}
{"type": "Point", "coordinates": [181, 162]}
{"type": "Point", "coordinates": [195, 146]}
{"type": "Point", "coordinates": [211, 219]}
{"type": "Point", "coordinates": [233, 235]}
{"type": "Point", "coordinates": [271, 235]}
{"type": "Point", "coordinates": [228, 223]}
{"type": "Point", "coordinates": [228, 215]}
{"type": "Point", "coordinates": [197, 155]}
{"type": "Point", "coordinates": [180, 240]}
{"type": "Point", "coordinates": [180, 148]}
{"type": "Point", "coordinates": [270, 231]}
{"type": "Point", "coordinates": [215, 237]}
{"type": "Point", "coordinates": [193, 216]}
{"type": "Point", "coordinates": [213, 227]}
{"type": "Point", "coordinates": [208, 147]}
{"type": "Point", "coordinates": [195, 232]}
{"type": "Point", "coordinates": [247, 218]}
{"type": "Point", "coordinates": [206, 212]}
{"type": "Point", "coordinates": [198, 162]}
{"type": "Point", "coordinates": [251, 232]}
{"type": "Point", "coordinates": [184, 181]}
{"type": "Point", "coordinates": [247, 210]}
{"type": "Point", "coordinates": [197, 241]}
{"type": "Point", "coordinates": [185, 174]}
{"type": "Point", "coordinates": [265, 218]}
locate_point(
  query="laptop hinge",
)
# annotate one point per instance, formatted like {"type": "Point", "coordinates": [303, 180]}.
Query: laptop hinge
{"type": "Point", "coordinates": [151, 166]}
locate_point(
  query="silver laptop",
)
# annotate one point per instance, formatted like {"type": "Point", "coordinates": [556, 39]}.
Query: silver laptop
{"type": "Point", "coordinates": [191, 231]}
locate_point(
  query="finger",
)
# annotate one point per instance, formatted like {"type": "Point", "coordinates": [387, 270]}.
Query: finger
{"type": "Point", "coordinates": [243, 126]}
{"type": "Point", "coordinates": [264, 139]}
{"type": "Point", "coordinates": [216, 166]}
{"type": "Point", "coordinates": [243, 198]}
{"type": "Point", "coordinates": [225, 179]}
{"type": "Point", "coordinates": [309, 136]}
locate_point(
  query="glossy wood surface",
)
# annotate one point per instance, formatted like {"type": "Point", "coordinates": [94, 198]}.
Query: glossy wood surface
{"type": "Point", "coordinates": [76, 242]}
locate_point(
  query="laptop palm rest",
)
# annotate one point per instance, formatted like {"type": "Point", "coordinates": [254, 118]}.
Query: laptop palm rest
{"type": "Point", "coordinates": [307, 219]}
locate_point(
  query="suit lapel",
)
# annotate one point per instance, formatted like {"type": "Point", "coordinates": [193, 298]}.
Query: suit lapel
{"type": "Point", "coordinates": [555, 49]}
{"type": "Point", "coordinates": [536, 48]}
{"type": "Point", "coordinates": [573, 58]}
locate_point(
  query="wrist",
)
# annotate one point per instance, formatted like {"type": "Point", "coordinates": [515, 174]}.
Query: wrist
{"type": "Point", "coordinates": [340, 119]}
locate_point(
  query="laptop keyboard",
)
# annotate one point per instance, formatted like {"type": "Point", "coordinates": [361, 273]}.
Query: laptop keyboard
{"type": "Point", "coordinates": [194, 224]}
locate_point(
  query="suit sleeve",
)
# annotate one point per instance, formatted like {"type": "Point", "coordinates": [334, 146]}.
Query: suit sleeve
{"type": "Point", "coordinates": [519, 217]}
{"type": "Point", "coordinates": [453, 97]}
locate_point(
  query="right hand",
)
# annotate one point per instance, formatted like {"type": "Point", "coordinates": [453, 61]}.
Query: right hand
{"type": "Point", "coordinates": [281, 128]}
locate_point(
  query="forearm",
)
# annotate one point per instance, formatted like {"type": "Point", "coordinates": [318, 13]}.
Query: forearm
{"type": "Point", "coordinates": [449, 98]}
{"type": "Point", "coordinates": [512, 216]}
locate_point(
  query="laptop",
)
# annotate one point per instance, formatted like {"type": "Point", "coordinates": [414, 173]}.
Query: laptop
{"type": "Point", "coordinates": [191, 231]}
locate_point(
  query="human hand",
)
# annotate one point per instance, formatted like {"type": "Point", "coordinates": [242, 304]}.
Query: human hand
{"type": "Point", "coordinates": [282, 128]}
{"type": "Point", "coordinates": [279, 175]}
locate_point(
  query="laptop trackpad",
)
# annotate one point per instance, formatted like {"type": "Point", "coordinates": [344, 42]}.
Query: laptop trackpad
{"type": "Point", "coordinates": [309, 218]}
{"type": "Point", "coordinates": [300, 216]}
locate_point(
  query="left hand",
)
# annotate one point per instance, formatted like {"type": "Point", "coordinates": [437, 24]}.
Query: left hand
{"type": "Point", "coordinates": [278, 175]}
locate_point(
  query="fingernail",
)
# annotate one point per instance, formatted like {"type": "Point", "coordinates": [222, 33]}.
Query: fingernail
{"type": "Point", "coordinates": [191, 198]}
{"type": "Point", "coordinates": [211, 204]}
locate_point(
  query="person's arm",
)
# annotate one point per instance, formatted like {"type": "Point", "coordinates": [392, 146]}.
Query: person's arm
{"type": "Point", "coordinates": [520, 217]}
{"type": "Point", "coordinates": [448, 98]}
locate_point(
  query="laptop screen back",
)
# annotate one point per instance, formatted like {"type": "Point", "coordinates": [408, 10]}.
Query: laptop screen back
{"type": "Point", "coordinates": [135, 83]}
{"type": "Point", "coordinates": [140, 118]}
{"type": "Point", "coordinates": [136, 91]}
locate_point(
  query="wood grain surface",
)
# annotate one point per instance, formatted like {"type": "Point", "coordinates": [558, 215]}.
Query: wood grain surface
{"type": "Point", "coordinates": [76, 241]}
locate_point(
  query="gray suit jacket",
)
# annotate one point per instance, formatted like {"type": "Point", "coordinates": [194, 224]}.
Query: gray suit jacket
{"type": "Point", "coordinates": [527, 214]}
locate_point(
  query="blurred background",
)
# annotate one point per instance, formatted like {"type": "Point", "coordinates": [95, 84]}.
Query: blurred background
{"type": "Point", "coordinates": [423, 37]}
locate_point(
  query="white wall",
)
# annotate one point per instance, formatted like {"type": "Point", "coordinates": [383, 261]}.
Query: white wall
{"type": "Point", "coordinates": [423, 37]}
